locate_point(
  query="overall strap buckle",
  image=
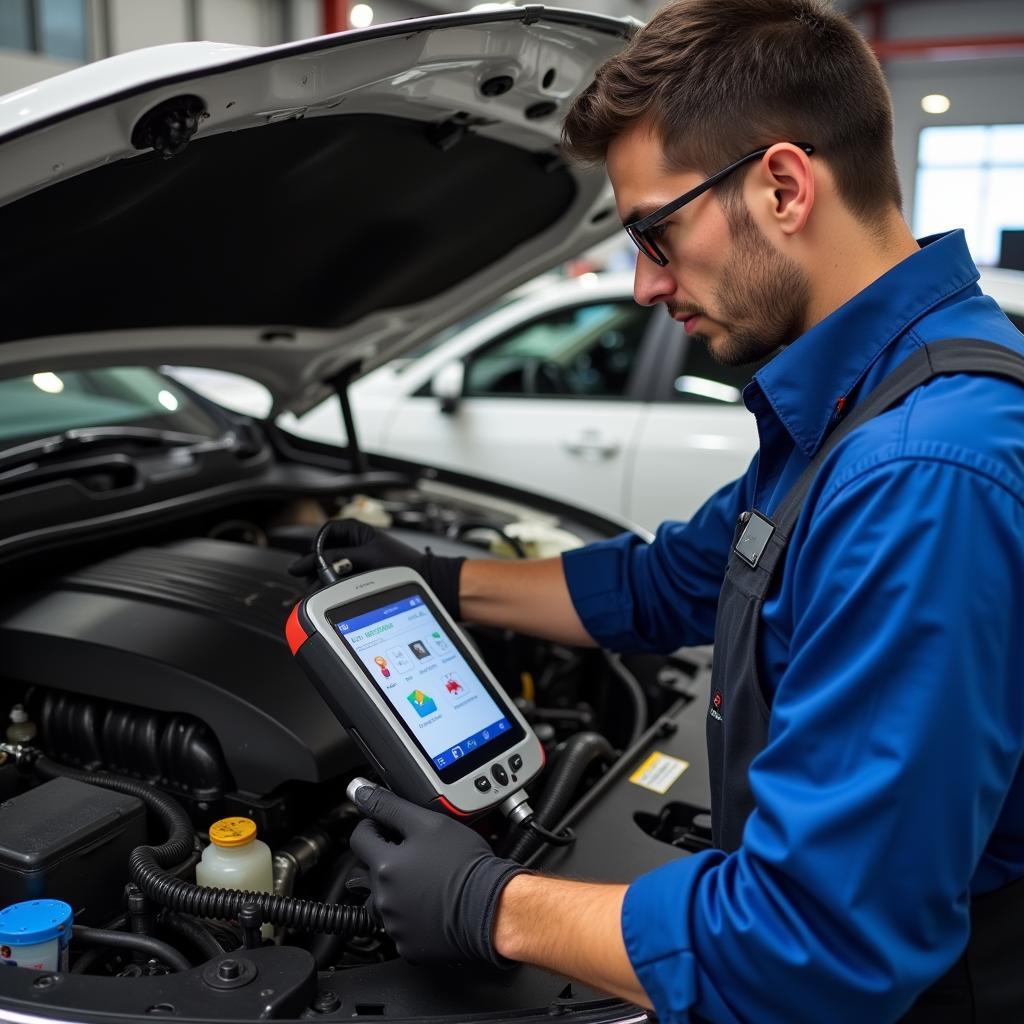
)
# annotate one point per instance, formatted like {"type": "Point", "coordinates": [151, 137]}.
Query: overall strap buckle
{"type": "Point", "coordinates": [754, 538]}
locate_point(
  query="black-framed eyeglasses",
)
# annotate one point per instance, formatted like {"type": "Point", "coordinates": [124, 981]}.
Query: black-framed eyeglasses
{"type": "Point", "coordinates": [639, 230]}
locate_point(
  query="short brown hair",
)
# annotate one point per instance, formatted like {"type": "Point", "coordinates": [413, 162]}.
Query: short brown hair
{"type": "Point", "coordinates": [716, 79]}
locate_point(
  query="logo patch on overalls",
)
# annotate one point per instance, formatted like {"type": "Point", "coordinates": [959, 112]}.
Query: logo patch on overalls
{"type": "Point", "coordinates": [715, 710]}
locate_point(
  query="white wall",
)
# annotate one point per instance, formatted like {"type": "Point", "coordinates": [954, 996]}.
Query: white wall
{"type": "Point", "coordinates": [137, 23]}
{"type": "Point", "coordinates": [252, 22]}
{"type": "Point", "coordinates": [20, 69]}
{"type": "Point", "coordinates": [980, 92]}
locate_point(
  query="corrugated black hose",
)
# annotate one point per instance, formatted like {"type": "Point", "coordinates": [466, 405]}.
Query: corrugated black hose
{"type": "Point", "coordinates": [578, 754]}
{"type": "Point", "coordinates": [147, 869]}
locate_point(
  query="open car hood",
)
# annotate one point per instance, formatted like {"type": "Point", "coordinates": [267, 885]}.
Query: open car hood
{"type": "Point", "coordinates": [298, 212]}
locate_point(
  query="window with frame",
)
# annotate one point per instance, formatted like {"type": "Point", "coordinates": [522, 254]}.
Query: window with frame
{"type": "Point", "coordinates": [586, 351]}
{"type": "Point", "coordinates": [56, 28]}
{"type": "Point", "coordinates": [704, 381]}
{"type": "Point", "coordinates": [970, 176]}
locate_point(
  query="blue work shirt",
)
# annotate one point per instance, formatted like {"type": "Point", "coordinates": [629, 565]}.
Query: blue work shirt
{"type": "Point", "coordinates": [891, 787]}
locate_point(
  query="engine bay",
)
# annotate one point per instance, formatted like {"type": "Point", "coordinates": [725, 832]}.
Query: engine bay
{"type": "Point", "coordinates": [160, 660]}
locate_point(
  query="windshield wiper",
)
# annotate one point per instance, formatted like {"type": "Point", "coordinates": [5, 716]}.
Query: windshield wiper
{"type": "Point", "coordinates": [72, 442]}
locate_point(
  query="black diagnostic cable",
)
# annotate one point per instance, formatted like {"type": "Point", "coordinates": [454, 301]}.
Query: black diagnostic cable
{"type": "Point", "coordinates": [326, 572]}
{"type": "Point", "coordinates": [564, 838]}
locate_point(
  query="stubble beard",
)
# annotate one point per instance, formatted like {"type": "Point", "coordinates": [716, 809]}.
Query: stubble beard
{"type": "Point", "coordinates": [763, 297]}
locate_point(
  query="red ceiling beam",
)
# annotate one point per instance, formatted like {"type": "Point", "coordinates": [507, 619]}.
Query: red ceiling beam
{"type": "Point", "coordinates": [955, 48]}
{"type": "Point", "coordinates": [335, 16]}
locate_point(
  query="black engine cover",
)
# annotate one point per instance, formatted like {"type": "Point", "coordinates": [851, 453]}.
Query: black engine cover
{"type": "Point", "coordinates": [194, 626]}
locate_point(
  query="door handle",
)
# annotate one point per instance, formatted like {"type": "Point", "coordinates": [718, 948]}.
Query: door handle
{"type": "Point", "coordinates": [591, 445]}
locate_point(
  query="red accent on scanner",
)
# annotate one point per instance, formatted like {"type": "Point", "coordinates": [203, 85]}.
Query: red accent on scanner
{"type": "Point", "coordinates": [293, 631]}
{"type": "Point", "coordinates": [453, 809]}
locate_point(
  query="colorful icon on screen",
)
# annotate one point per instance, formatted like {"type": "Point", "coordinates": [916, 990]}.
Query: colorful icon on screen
{"type": "Point", "coordinates": [454, 687]}
{"type": "Point", "coordinates": [382, 664]}
{"type": "Point", "coordinates": [419, 648]}
{"type": "Point", "coordinates": [423, 704]}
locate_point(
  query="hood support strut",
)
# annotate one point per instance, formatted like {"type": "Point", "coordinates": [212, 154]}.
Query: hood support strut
{"type": "Point", "coordinates": [340, 384]}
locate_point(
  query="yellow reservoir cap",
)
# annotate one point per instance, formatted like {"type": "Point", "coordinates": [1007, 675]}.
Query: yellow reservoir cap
{"type": "Point", "coordinates": [232, 832]}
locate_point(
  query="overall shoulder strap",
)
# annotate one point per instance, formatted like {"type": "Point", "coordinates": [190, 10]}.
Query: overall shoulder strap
{"type": "Point", "coordinates": [940, 358]}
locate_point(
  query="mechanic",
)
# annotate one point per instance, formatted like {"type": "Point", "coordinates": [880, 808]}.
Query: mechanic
{"type": "Point", "coordinates": [867, 721]}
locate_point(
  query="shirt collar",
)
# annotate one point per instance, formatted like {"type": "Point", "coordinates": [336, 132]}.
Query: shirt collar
{"type": "Point", "coordinates": [808, 381]}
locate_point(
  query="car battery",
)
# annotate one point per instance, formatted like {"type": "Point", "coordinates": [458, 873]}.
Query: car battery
{"type": "Point", "coordinates": [66, 840]}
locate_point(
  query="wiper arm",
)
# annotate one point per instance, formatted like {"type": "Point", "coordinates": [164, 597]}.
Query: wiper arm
{"type": "Point", "coordinates": [80, 438]}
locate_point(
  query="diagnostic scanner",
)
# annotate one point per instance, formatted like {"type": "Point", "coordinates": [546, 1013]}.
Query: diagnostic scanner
{"type": "Point", "coordinates": [405, 682]}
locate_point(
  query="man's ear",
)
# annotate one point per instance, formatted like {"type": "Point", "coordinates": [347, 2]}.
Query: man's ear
{"type": "Point", "coordinates": [785, 180]}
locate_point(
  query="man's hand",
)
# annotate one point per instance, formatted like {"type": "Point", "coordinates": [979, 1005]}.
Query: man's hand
{"type": "Point", "coordinates": [435, 883]}
{"type": "Point", "coordinates": [368, 548]}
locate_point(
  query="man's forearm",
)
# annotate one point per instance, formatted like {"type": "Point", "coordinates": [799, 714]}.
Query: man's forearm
{"type": "Point", "coordinates": [529, 596]}
{"type": "Point", "coordinates": [573, 928]}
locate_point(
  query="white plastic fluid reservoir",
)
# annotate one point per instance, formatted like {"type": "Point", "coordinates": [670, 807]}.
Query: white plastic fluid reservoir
{"type": "Point", "coordinates": [236, 859]}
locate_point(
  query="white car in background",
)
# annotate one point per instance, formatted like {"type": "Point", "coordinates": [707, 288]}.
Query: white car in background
{"type": "Point", "coordinates": [572, 390]}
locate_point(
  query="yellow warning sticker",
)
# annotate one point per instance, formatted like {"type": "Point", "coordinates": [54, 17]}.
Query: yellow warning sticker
{"type": "Point", "coordinates": [658, 772]}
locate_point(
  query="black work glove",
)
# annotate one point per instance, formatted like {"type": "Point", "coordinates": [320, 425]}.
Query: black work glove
{"type": "Point", "coordinates": [435, 882]}
{"type": "Point", "coordinates": [368, 548]}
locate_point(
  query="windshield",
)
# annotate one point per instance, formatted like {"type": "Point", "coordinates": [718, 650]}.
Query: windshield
{"type": "Point", "coordinates": [48, 402]}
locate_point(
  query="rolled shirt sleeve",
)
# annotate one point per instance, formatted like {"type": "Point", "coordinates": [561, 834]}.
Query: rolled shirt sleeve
{"type": "Point", "coordinates": [895, 739]}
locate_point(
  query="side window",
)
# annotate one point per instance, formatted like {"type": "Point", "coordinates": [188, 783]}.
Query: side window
{"type": "Point", "coordinates": [581, 352]}
{"type": "Point", "coordinates": [56, 28]}
{"type": "Point", "coordinates": [701, 379]}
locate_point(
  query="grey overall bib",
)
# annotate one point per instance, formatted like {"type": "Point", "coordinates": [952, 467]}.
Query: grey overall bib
{"type": "Point", "coordinates": [986, 985]}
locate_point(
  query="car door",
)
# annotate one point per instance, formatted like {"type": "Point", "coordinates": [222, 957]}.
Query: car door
{"type": "Point", "coordinates": [696, 436]}
{"type": "Point", "coordinates": [547, 405]}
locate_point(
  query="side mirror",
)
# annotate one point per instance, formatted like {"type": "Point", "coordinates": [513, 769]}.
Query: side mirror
{"type": "Point", "coordinates": [447, 384]}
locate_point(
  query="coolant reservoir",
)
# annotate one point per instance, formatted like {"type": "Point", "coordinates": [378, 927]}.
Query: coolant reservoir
{"type": "Point", "coordinates": [236, 859]}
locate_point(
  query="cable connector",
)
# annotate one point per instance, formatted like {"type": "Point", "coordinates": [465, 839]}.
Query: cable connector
{"type": "Point", "coordinates": [328, 572]}
{"type": "Point", "coordinates": [518, 810]}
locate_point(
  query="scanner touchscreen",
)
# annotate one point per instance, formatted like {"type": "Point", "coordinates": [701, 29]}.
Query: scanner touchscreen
{"type": "Point", "coordinates": [415, 665]}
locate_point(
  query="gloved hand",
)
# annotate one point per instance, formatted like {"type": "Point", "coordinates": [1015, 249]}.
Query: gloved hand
{"type": "Point", "coordinates": [435, 882]}
{"type": "Point", "coordinates": [368, 548]}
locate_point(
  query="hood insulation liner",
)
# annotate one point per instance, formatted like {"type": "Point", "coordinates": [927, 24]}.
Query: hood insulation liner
{"type": "Point", "coordinates": [311, 223]}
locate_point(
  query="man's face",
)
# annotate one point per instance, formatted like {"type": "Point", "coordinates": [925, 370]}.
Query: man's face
{"type": "Point", "coordinates": [724, 281]}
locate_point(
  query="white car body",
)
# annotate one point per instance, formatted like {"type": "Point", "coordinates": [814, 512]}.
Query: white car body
{"type": "Point", "coordinates": [653, 455]}
{"type": "Point", "coordinates": [636, 457]}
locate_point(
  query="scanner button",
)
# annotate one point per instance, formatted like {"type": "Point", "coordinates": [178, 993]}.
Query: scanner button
{"type": "Point", "coordinates": [515, 762]}
{"type": "Point", "coordinates": [500, 775]}
{"type": "Point", "coordinates": [482, 783]}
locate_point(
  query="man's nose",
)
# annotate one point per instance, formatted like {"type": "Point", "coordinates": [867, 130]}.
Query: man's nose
{"type": "Point", "coordinates": [652, 284]}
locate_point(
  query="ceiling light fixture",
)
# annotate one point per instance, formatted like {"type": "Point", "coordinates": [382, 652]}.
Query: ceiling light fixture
{"type": "Point", "coordinates": [935, 103]}
{"type": "Point", "coordinates": [361, 16]}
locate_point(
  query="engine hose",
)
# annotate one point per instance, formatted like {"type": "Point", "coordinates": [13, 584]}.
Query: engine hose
{"type": "Point", "coordinates": [579, 753]}
{"type": "Point", "coordinates": [147, 869]}
{"type": "Point", "coordinates": [325, 947]}
{"type": "Point", "coordinates": [193, 932]}
{"type": "Point", "coordinates": [129, 940]}
{"type": "Point", "coordinates": [634, 691]}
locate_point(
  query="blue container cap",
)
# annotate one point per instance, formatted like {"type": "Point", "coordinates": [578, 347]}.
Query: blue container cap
{"type": "Point", "coordinates": [25, 924]}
